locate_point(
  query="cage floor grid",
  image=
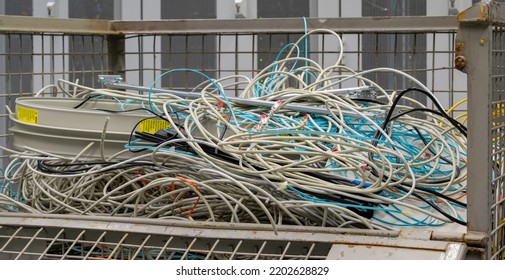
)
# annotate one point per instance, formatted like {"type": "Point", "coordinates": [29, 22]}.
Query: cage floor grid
{"type": "Point", "coordinates": [57, 237]}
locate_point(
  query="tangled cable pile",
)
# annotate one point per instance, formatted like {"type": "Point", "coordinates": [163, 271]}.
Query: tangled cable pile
{"type": "Point", "coordinates": [365, 161]}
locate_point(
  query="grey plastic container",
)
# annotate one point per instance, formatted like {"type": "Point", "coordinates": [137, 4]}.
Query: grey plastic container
{"type": "Point", "coordinates": [60, 112]}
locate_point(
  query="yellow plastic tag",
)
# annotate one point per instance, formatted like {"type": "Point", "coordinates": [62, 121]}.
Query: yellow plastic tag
{"type": "Point", "coordinates": [152, 126]}
{"type": "Point", "coordinates": [27, 115]}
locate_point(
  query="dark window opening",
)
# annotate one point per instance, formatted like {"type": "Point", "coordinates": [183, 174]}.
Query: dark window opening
{"type": "Point", "coordinates": [88, 54]}
{"type": "Point", "coordinates": [269, 45]}
{"type": "Point", "coordinates": [188, 51]}
{"type": "Point", "coordinates": [405, 52]}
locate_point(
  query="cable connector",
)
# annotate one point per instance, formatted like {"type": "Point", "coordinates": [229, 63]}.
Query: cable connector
{"type": "Point", "coordinates": [275, 107]}
{"type": "Point", "coordinates": [277, 104]}
{"type": "Point", "coordinates": [264, 120]}
{"type": "Point", "coordinates": [366, 169]}
{"type": "Point", "coordinates": [106, 80]}
{"type": "Point", "coordinates": [220, 109]}
{"type": "Point", "coordinates": [262, 124]}
{"type": "Point", "coordinates": [304, 121]}
{"type": "Point", "coordinates": [363, 92]}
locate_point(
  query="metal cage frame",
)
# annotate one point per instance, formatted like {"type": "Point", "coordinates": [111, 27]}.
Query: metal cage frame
{"type": "Point", "coordinates": [115, 44]}
{"type": "Point", "coordinates": [479, 53]}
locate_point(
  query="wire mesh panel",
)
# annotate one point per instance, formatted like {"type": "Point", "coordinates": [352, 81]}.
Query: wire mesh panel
{"type": "Point", "coordinates": [33, 61]}
{"type": "Point", "coordinates": [174, 58]}
{"type": "Point", "coordinates": [86, 244]}
{"type": "Point", "coordinates": [428, 59]}
{"type": "Point", "coordinates": [105, 238]}
{"type": "Point", "coordinates": [97, 240]}
{"type": "Point", "coordinates": [498, 144]}
{"type": "Point", "coordinates": [30, 62]}
{"type": "Point", "coordinates": [480, 53]}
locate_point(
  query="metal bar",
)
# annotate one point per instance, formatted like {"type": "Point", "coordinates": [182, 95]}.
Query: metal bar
{"type": "Point", "coordinates": [289, 25]}
{"type": "Point", "coordinates": [497, 254]}
{"type": "Point", "coordinates": [172, 254]}
{"type": "Point", "coordinates": [249, 102]}
{"type": "Point", "coordinates": [476, 54]}
{"type": "Point", "coordinates": [263, 245]}
{"type": "Point", "coordinates": [285, 251]}
{"type": "Point", "coordinates": [209, 254]}
{"type": "Point", "coordinates": [164, 247]}
{"type": "Point", "coordinates": [484, 14]}
{"type": "Point", "coordinates": [116, 54]}
{"type": "Point", "coordinates": [34, 25]}
{"type": "Point", "coordinates": [10, 239]}
{"type": "Point", "coordinates": [73, 244]}
{"type": "Point", "coordinates": [236, 249]}
{"type": "Point", "coordinates": [186, 253]}
{"type": "Point", "coordinates": [48, 247]}
{"type": "Point", "coordinates": [118, 245]}
{"type": "Point", "coordinates": [141, 247]}
{"type": "Point", "coordinates": [95, 244]}
{"type": "Point", "coordinates": [29, 243]}
{"type": "Point", "coordinates": [312, 246]}
{"type": "Point", "coordinates": [158, 226]}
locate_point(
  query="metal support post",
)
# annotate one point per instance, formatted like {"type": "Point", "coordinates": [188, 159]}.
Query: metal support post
{"type": "Point", "coordinates": [474, 46]}
{"type": "Point", "coordinates": [116, 54]}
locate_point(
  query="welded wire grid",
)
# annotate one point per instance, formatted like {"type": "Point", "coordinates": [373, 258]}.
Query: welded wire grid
{"type": "Point", "coordinates": [29, 62]}
{"type": "Point", "coordinates": [32, 61]}
{"type": "Point", "coordinates": [428, 56]}
{"type": "Point", "coordinates": [49, 243]}
{"type": "Point", "coordinates": [498, 143]}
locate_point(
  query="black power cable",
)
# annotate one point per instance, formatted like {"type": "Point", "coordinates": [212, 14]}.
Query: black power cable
{"type": "Point", "coordinates": [162, 136]}
{"type": "Point", "coordinates": [441, 112]}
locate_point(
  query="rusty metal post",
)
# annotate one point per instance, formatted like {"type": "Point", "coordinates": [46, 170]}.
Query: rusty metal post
{"type": "Point", "coordinates": [473, 58]}
{"type": "Point", "coordinates": [116, 54]}
{"type": "Point", "coordinates": [479, 49]}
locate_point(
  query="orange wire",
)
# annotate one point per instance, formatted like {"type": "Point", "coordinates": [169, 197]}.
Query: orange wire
{"type": "Point", "coordinates": [457, 198]}
{"type": "Point", "coordinates": [174, 196]}
{"type": "Point", "coordinates": [461, 196]}
{"type": "Point", "coordinates": [143, 180]}
{"type": "Point", "coordinates": [194, 186]}
{"type": "Point", "coordinates": [172, 188]}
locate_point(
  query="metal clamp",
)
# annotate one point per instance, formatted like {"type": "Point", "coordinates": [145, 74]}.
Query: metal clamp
{"type": "Point", "coordinates": [105, 80]}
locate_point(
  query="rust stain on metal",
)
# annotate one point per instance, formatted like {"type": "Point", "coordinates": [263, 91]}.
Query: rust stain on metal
{"type": "Point", "coordinates": [461, 16]}
{"type": "Point", "coordinates": [460, 62]}
{"type": "Point", "coordinates": [448, 236]}
{"type": "Point", "coordinates": [459, 47]}
{"type": "Point", "coordinates": [476, 238]}
{"type": "Point", "coordinates": [459, 58]}
{"type": "Point", "coordinates": [483, 12]}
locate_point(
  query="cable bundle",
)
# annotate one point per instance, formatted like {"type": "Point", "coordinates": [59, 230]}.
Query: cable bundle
{"type": "Point", "coordinates": [364, 162]}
